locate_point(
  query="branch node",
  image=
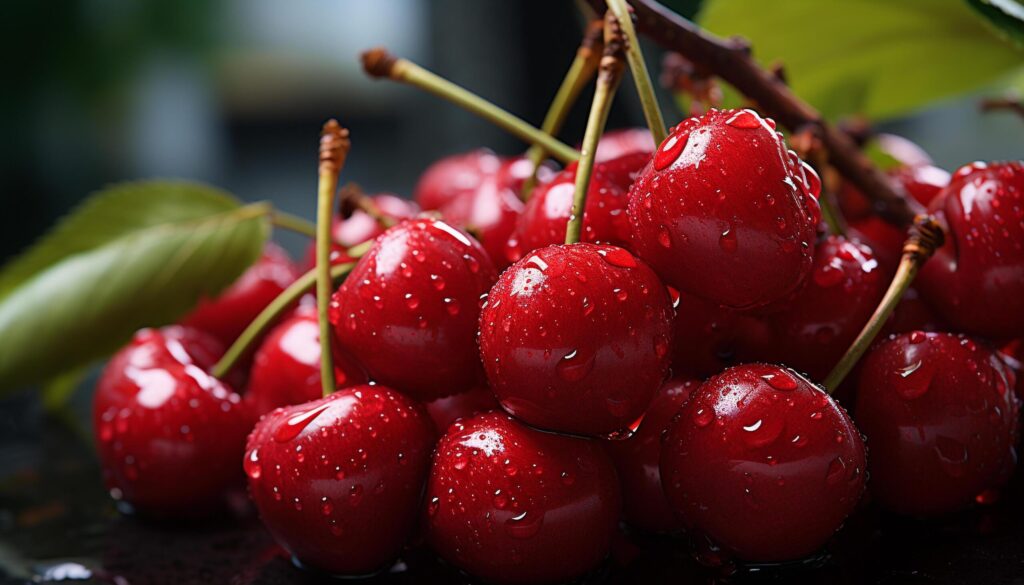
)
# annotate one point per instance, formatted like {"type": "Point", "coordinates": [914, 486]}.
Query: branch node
{"type": "Point", "coordinates": [926, 236]}
{"type": "Point", "coordinates": [334, 147]}
{"type": "Point", "coordinates": [593, 39]}
{"type": "Point", "coordinates": [379, 63]}
{"type": "Point", "coordinates": [615, 46]}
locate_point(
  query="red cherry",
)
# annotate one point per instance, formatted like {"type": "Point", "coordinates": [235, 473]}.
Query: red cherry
{"type": "Point", "coordinates": [724, 212]}
{"type": "Point", "coordinates": [763, 463]}
{"type": "Point", "coordinates": [168, 434]}
{"type": "Point", "coordinates": [710, 338]}
{"type": "Point", "coordinates": [408, 310]}
{"type": "Point", "coordinates": [360, 227]}
{"type": "Point", "coordinates": [445, 411]}
{"type": "Point", "coordinates": [912, 314]}
{"type": "Point", "coordinates": [940, 417]}
{"type": "Point", "coordinates": [226, 316]}
{"type": "Point", "coordinates": [338, 481]}
{"type": "Point", "coordinates": [453, 177]}
{"type": "Point", "coordinates": [922, 182]}
{"type": "Point", "coordinates": [544, 220]}
{"type": "Point", "coordinates": [286, 367]}
{"type": "Point", "coordinates": [637, 461]}
{"type": "Point", "coordinates": [976, 281]}
{"type": "Point", "coordinates": [618, 143]}
{"type": "Point", "coordinates": [511, 504]}
{"type": "Point", "coordinates": [576, 338]}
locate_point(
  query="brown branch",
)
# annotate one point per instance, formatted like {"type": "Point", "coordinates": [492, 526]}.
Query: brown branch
{"type": "Point", "coordinates": [1008, 103]}
{"type": "Point", "coordinates": [730, 59]}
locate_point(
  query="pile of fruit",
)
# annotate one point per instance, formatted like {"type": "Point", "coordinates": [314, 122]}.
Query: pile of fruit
{"type": "Point", "coordinates": [525, 357]}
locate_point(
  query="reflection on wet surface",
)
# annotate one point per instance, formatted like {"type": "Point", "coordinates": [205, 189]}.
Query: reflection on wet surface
{"type": "Point", "coordinates": [57, 524]}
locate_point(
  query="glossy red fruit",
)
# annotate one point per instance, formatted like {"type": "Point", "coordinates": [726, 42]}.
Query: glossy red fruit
{"type": "Point", "coordinates": [1013, 355]}
{"type": "Point", "coordinates": [453, 177]}
{"type": "Point", "coordinates": [976, 281]}
{"type": "Point", "coordinates": [623, 141]}
{"type": "Point", "coordinates": [511, 504]}
{"type": "Point", "coordinates": [168, 434]}
{"type": "Point", "coordinates": [226, 316]}
{"type": "Point", "coordinates": [408, 311]}
{"type": "Point", "coordinates": [709, 338]}
{"type": "Point", "coordinates": [763, 463]}
{"type": "Point", "coordinates": [922, 182]}
{"type": "Point", "coordinates": [445, 411]}
{"type": "Point", "coordinates": [286, 367]}
{"type": "Point", "coordinates": [544, 220]}
{"type": "Point", "coordinates": [637, 461]}
{"type": "Point", "coordinates": [725, 212]}
{"type": "Point", "coordinates": [576, 338]}
{"type": "Point", "coordinates": [827, 314]}
{"type": "Point", "coordinates": [360, 227]}
{"type": "Point", "coordinates": [941, 420]}
{"type": "Point", "coordinates": [338, 481]}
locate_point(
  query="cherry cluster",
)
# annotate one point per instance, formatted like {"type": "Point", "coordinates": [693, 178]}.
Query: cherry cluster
{"type": "Point", "coordinates": [512, 398]}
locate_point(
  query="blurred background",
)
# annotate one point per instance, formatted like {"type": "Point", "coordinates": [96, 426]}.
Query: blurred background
{"type": "Point", "coordinates": [233, 92]}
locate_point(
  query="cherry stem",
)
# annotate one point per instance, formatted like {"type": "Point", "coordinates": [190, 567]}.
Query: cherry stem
{"type": "Point", "coordinates": [353, 198]}
{"type": "Point", "coordinates": [379, 63]}
{"type": "Point", "coordinates": [637, 65]}
{"type": "Point", "coordinates": [609, 76]}
{"type": "Point", "coordinates": [269, 315]}
{"type": "Point", "coordinates": [926, 236]}
{"type": "Point", "coordinates": [292, 223]}
{"type": "Point", "coordinates": [334, 147]}
{"type": "Point", "coordinates": [580, 72]}
{"type": "Point", "coordinates": [731, 60]}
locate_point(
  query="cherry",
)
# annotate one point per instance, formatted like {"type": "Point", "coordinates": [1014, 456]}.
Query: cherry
{"type": "Point", "coordinates": [408, 310]}
{"type": "Point", "coordinates": [445, 411]}
{"type": "Point", "coordinates": [286, 367]}
{"type": "Point", "coordinates": [168, 434]}
{"type": "Point", "coordinates": [576, 338]}
{"type": "Point", "coordinates": [976, 281]}
{"type": "Point", "coordinates": [453, 177]}
{"type": "Point", "coordinates": [338, 481]}
{"type": "Point", "coordinates": [710, 338]}
{"type": "Point", "coordinates": [637, 461]}
{"type": "Point", "coordinates": [618, 143]}
{"type": "Point", "coordinates": [544, 220]}
{"type": "Point", "coordinates": [511, 504]}
{"type": "Point", "coordinates": [226, 316]}
{"type": "Point", "coordinates": [1013, 355]}
{"type": "Point", "coordinates": [763, 463]}
{"type": "Point", "coordinates": [724, 212]}
{"type": "Point", "coordinates": [922, 182]}
{"type": "Point", "coordinates": [941, 420]}
{"type": "Point", "coordinates": [360, 226]}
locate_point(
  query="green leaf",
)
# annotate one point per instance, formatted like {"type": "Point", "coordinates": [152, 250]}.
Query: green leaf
{"type": "Point", "coordinates": [1006, 15]}
{"type": "Point", "coordinates": [876, 58]}
{"type": "Point", "coordinates": [135, 255]}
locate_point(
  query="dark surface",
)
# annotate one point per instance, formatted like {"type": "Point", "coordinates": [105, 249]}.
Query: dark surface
{"type": "Point", "coordinates": [56, 519]}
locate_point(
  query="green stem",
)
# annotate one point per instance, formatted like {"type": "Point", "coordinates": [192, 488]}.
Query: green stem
{"type": "Point", "coordinates": [293, 223]}
{"type": "Point", "coordinates": [608, 79]}
{"type": "Point", "coordinates": [641, 77]}
{"type": "Point", "coordinates": [334, 147]}
{"type": "Point", "coordinates": [926, 236]}
{"type": "Point", "coordinates": [269, 316]}
{"type": "Point", "coordinates": [378, 63]}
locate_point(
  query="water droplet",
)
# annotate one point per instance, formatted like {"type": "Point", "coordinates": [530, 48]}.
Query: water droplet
{"type": "Point", "coordinates": [252, 464]}
{"type": "Point", "coordinates": [727, 241]}
{"type": "Point", "coordinates": [618, 257]}
{"type": "Point", "coordinates": [918, 337]}
{"type": "Point", "coordinates": [952, 455]}
{"type": "Point", "coordinates": [911, 385]}
{"type": "Point", "coordinates": [575, 365]}
{"type": "Point", "coordinates": [296, 424]}
{"type": "Point", "coordinates": [411, 301]}
{"type": "Point", "coordinates": [744, 119]}
{"type": "Point", "coordinates": [703, 417]}
{"type": "Point", "coordinates": [355, 494]}
{"type": "Point", "coordinates": [836, 471]}
{"type": "Point", "coordinates": [326, 507]}
{"type": "Point", "coordinates": [524, 525]}
{"type": "Point", "coordinates": [670, 150]}
{"type": "Point", "coordinates": [435, 503]}
{"type": "Point", "coordinates": [780, 381]}
{"type": "Point", "coordinates": [664, 237]}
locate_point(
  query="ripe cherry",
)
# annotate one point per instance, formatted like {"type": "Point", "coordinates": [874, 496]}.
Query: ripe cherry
{"type": "Point", "coordinates": [360, 226]}
{"type": "Point", "coordinates": [511, 504]}
{"type": "Point", "coordinates": [408, 311]}
{"type": "Point", "coordinates": [286, 367]}
{"type": "Point", "coordinates": [338, 481]}
{"type": "Point", "coordinates": [637, 461]}
{"type": "Point", "coordinates": [445, 411]}
{"type": "Point", "coordinates": [618, 143]}
{"type": "Point", "coordinates": [976, 281]}
{"type": "Point", "coordinates": [576, 338]}
{"type": "Point", "coordinates": [922, 182]}
{"type": "Point", "coordinates": [724, 212]}
{"type": "Point", "coordinates": [168, 434]}
{"type": "Point", "coordinates": [544, 220]}
{"type": "Point", "coordinates": [226, 316]}
{"type": "Point", "coordinates": [941, 420]}
{"type": "Point", "coordinates": [763, 463]}
{"type": "Point", "coordinates": [710, 338]}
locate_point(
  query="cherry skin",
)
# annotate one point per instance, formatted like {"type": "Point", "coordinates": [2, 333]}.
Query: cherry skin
{"type": "Point", "coordinates": [637, 461]}
{"type": "Point", "coordinates": [338, 481]}
{"type": "Point", "coordinates": [710, 338]}
{"type": "Point", "coordinates": [168, 434]}
{"type": "Point", "coordinates": [576, 338]}
{"type": "Point", "coordinates": [360, 227]}
{"type": "Point", "coordinates": [618, 143]}
{"type": "Point", "coordinates": [408, 311]}
{"type": "Point", "coordinates": [922, 182]}
{"type": "Point", "coordinates": [515, 505]}
{"type": "Point", "coordinates": [226, 316]}
{"type": "Point", "coordinates": [544, 220]}
{"type": "Point", "coordinates": [941, 420]}
{"type": "Point", "coordinates": [763, 463]}
{"type": "Point", "coordinates": [286, 367]}
{"type": "Point", "coordinates": [976, 281]}
{"type": "Point", "coordinates": [445, 411]}
{"type": "Point", "coordinates": [724, 212]}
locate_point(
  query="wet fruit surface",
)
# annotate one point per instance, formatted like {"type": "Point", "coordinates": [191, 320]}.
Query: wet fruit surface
{"type": "Point", "coordinates": [360, 227]}
{"type": "Point", "coordinates": [445, 411]}
{"type": "Point", "coordinates": [576, 338]}
{"type": "Point", "coordinates": [511, 504]}
{"type": "Point", "coordinates": [167, 433]}
{"type": "Point", "coordinates": [763, 463]}
{"type": "Point", "coordinates": [724, 212]}
{"type": "Point", "coordinates": [620, 142]}
{"type": "Point", "coordinates": [709, 338]}
{"type": "Point", "coordinates": [976, 281]}
{"type": "Point", "coordinates": [941, 421]}
{"type": "Point", "coordinates": [339, 481]}
{"type": "Point", "coordinates": [408, 310]}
